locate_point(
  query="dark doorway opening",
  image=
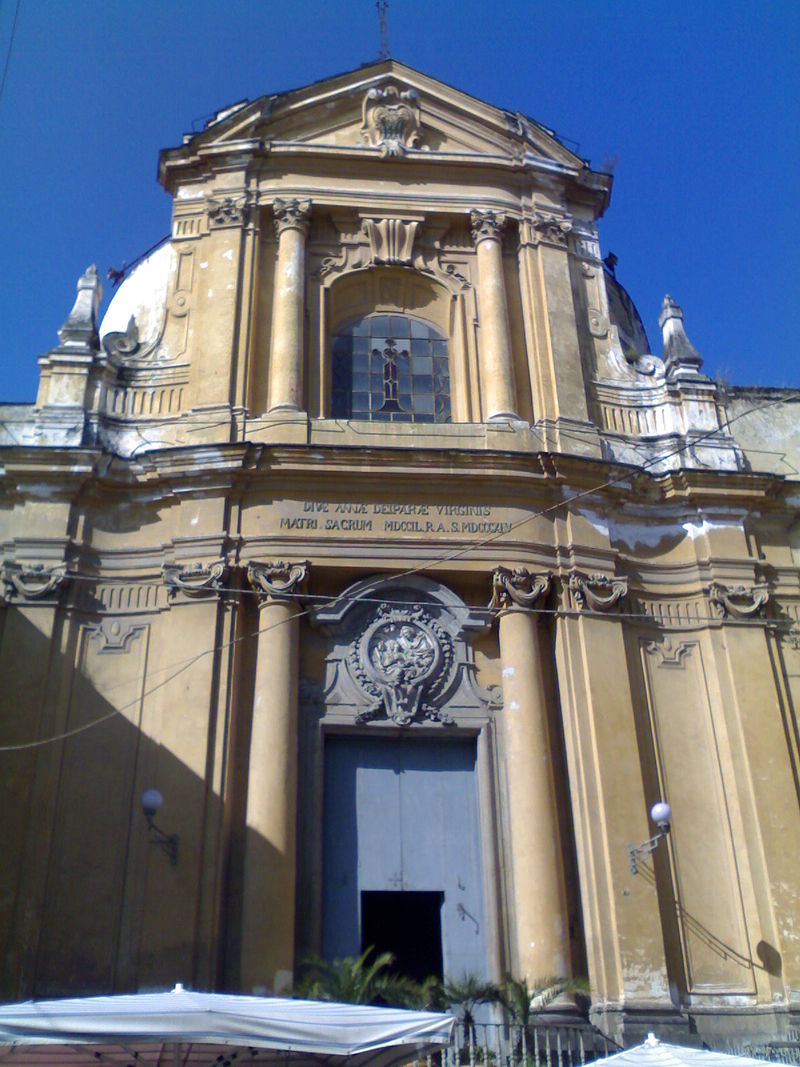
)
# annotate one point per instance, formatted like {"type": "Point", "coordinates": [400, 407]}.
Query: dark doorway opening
{"type": "Point", "coordinates": [409, 925]}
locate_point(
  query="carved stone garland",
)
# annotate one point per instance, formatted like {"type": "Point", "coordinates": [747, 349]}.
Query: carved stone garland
{"type": "Point", "coordinates": [738, 601]}
{"type": "Point", "coordinates": [391, 120]}
{"type": "Point", "coordinates": [597, 592]}
{"type": "Point", "coordinates": [402, 660]}
{"type": "Point", "coordinates": [517, 587]}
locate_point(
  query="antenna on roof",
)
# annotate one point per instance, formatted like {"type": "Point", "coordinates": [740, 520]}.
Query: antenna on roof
{"type": "Point", "coordinates": [384, 52]}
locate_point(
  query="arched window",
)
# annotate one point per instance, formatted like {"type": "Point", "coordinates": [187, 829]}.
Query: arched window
{"type": "Point", "coordinates": [390, 368]}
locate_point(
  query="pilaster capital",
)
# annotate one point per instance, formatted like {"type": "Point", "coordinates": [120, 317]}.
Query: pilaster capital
{"type": "Point", "coordinates": [597, 592]}
{"type": "Point", "coordinates": [229, 211]}
{"type": "Point", "coordinates": [550, 228]}
{"type": "Point", "coordinates": [738, 601]}
{"type": "Point", "coordinates": [277, 581]}
{"type": "Point", "coordinates": [291, 215]}
{"type": "Point", "coordinates": [486, 225]}
{"type": "Point", "coordinates": [517, 588]}
{"type": "Point", "coordinates": [32, 581]}
{"type": "Point", "coordinates": [195, 579]}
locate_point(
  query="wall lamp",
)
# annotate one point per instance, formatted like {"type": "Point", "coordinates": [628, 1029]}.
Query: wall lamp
{"type": "Point", "coordinates": [151, 802]}
{"type": "Point", "coordinates": [661, 814]}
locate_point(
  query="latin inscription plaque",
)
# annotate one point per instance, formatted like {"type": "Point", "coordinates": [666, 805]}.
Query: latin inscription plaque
{"type": "Point", "coordinates": [424, 520]}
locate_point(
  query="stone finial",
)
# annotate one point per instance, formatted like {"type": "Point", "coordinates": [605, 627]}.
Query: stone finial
{"type": "Point", "coordinates": [681, 359]}
{"type": "Point", "coordinates": [80, 327]}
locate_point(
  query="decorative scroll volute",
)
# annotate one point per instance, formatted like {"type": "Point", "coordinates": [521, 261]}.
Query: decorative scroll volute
{"type": "Point", "coordinates": [291, 215]}
{"type": "Point", "coordinates": [32, 581]}
{"type": "Point", "coordinates": [391, 120]}
{"type": "Point", "coordinates": [597, 592]}
{"type": "Point", "coordinates": [517, 588]}
{"type": "Point", "coordinates": [390, 240]}
{"type": "Point", "coordinates": [195, 579]}
{"type": "Point", "coordinates": [277, 581]}
{"type": "Point", "coordinates": [738, 601]}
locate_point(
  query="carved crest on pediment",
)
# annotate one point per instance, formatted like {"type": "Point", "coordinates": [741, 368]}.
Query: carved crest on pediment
{"type": "Point", "coordinates": [391, 119]}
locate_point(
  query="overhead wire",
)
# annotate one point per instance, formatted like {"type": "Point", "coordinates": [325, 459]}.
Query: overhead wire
{"type": "Point", "coordinates": [629, 472]}
{"type": "Point", "coordinates": [8, 53]}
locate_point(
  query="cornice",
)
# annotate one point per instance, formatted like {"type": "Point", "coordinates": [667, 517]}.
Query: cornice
{"type": "Point", "coordinates": [220, 467]}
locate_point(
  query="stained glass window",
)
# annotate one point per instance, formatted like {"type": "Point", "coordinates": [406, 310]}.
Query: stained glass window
{"type": "Point", "coordinates": [391, 368]}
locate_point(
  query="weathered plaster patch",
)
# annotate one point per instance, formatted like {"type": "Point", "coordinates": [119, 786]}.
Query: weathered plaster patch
{"type": "Point", "coordinates": [695, 530]}
{"type": "Point", "coordinates": [142, 294]}
{"type": "Point", "coordinates": [507, 672]}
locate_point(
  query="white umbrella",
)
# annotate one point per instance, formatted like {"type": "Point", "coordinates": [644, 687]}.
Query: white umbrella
{"type": "Point", "coordinates": [655, 1053]}
{"type": "Point", "coordinates": [192, 1029]}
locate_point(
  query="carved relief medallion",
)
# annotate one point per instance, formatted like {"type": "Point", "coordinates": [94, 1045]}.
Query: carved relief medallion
{"type": "Point", "coordinates": [402, 660]}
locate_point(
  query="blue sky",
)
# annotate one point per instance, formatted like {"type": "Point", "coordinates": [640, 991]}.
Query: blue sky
{"type": "Point", "coordinates": [698, 103]}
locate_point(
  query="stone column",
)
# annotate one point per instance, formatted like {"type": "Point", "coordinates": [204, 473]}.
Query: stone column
{"type": "Point", "coordinates": [497, 367]}
{"type": "Point", "coordinates": [268, 910]}
{"type": "Point", "coordinates": [288, 305]}
{"type": "Point", "coordinates": [539, 934]}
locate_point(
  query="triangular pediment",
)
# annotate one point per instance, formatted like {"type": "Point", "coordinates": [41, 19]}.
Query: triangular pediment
{"type": "Point", "coordinates": [394, 108]}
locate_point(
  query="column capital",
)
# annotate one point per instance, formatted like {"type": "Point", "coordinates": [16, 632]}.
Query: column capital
{"type": "Point", "coordinates": [277, 581]}
{"type": "Point", "coordinates": [486, 225]}
{"type": "Point", "coordinates": [291, 215]}
{"type": "Point", "coordinates": [517, 587]}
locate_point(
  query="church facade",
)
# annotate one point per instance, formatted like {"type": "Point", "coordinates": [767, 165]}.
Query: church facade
{"type": "Point", "coordinates": [368, 531]}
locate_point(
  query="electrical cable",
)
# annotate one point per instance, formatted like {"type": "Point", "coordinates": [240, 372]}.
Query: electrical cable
{"type": "Point", "coordinates": [159, 685]}
{"type": "Point", "coordinates": [8, 54]}
{"type": "Point", "coordinates": [408, 573]}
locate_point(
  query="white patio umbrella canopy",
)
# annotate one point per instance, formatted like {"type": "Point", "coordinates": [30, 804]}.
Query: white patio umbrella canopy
{"type": "Point", "coordinates": [655, 1053]}
{"type": "Point", "coordinates": [189, 1029]}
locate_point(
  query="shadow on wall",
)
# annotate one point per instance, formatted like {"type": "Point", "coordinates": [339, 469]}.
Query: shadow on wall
{"type": "Point", "coordinates": [87, 903]}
